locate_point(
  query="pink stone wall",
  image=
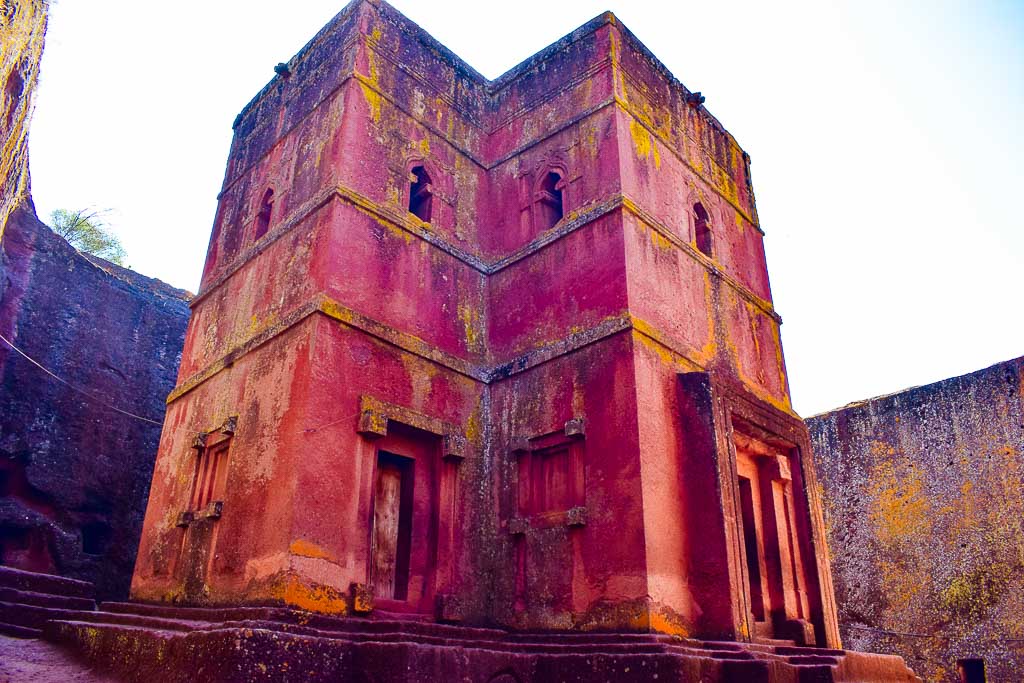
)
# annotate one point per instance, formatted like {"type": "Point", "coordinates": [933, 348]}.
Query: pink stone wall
{"type": "Point", "coordinates": [486, 334]}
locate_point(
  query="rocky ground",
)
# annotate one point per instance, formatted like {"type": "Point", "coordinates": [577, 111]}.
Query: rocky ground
{"type": "Point", "coordinates": [36, 661]}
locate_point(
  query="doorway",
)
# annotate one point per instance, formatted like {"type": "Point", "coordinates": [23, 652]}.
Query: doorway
{"type": "Point", "coordinates": [403, 520]}
{"type": "Point", "coordinates": [776, 582]}
{"type": "Point", "coordinates": [392, 526]}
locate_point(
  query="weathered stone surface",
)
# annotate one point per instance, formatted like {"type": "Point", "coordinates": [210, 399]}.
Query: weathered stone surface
{"type": "Point", "coordinates": [22, 29]}
{"type": "Point", "coordinates": [140, 643]}
{"type": "Point", "coordinates": [924, 505]}
{"type": "Point", "coordinates": [500, 352]}
{"type": "Point", "coordinates": [74, 474]}
{"type": "Point", "coordinates": [42, 662]}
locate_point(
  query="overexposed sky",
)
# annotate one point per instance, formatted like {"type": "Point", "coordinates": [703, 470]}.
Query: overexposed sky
{"type": "Point", "coordinates": [886, 143]}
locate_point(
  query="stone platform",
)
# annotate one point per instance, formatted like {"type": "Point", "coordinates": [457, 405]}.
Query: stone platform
{"type": "Point", "coordinates": [140, 642]}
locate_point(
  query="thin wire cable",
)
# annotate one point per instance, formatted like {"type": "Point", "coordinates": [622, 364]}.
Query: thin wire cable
{"type": "Point", "coordinates": [76, 389]}
{"type": "Point", "coordinates": [310, 430]}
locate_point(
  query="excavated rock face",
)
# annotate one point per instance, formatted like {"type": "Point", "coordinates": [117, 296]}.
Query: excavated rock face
{"type": "Point", "coordinates": [22, 27]}
{"type": "Point", "coordinates": [924, 506]}
{"type": "Point", "coordinates": [74, 472]}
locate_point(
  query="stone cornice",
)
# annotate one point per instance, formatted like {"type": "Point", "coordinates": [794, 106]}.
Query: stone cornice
{"type": "Point", "coordinates": [483, 372]}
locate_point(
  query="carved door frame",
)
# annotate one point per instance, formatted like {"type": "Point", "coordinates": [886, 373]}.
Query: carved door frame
{"type": "Point", "coordinates": [712, 406]}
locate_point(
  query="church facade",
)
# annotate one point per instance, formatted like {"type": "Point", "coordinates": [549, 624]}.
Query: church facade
{"type": "Point", "coordinates": [488, 352]}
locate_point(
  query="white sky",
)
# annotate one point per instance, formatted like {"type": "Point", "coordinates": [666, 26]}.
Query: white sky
{"type": "Point", "coordinates": [886, 140]}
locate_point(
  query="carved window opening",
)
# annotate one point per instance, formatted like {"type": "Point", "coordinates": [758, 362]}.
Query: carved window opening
{"type": "Point", "coordinates": [549, 198]}
{"type": "Point", "coordinates": [420, 194]}
{"type": "Point", "coordinates": [263, 216]}
{"type": "Point", "coordinates": [210, 474]}
{"type": "Point", "coordinates": [702, 229]}
{"type": "Point", "coordinates": [550, 479]}
{"type": "Point", "coordinates": [392, 526]}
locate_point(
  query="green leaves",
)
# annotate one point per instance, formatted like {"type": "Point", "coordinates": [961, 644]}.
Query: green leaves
{"type": "Point", "coordinates": [86, 232]}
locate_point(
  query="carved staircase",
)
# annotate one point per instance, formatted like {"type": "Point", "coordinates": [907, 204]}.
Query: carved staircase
{"type": "Point", "coordinates": [144, 642]}
{"type": "Point", "coordinates": [140, 642]}
{"type": "Point", "coordinates": [28, 600]}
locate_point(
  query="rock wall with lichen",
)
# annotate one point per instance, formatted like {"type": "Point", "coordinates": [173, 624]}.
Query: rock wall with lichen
{"type": "Point", "coordinates": [22, 28]}
{"type": "Point", "coordinates": [74, 472]}
{"type": "Point", "coordinates": [924, 505]}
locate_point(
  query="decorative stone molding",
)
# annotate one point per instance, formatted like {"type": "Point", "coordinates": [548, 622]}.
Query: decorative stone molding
{"type": "Point", "coordinates": [226, 429]}
{"type": "Point", "coordinates": [372, 424]}
{"type": "Point", "coordinates": [521, 444]}
{"type": "Point", "coordinates": [375, 414]}
{"type": "Point", "coordinates": [518, 526]}
{"type": "Point", "coordinates": [576, 517]}
{"type": "Point", "coordinates": [213, 511]}
{"type": "Point", "coordinates": [576, 428]}
{"type": "Point", "coordinates": [456, 447]}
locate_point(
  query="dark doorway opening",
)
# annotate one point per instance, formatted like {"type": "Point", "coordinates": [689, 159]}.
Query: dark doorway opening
{"type": "Point", "coordinates": [392, 526]}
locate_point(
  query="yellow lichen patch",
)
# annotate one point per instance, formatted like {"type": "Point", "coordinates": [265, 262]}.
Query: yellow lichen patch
{"type": "Point", "coordinates": [664, 353]}
{"type": "Point", "coordinates": [650, 339]}
{"type": "Point", "coordinates": [439, 107]}
{"type": "Point", "coordinates": [970, 595]}
{"type": "Point", "coordinates": [643, 142]}
{"type": "Point", "coordinates": [316, 598]}
{"type": "Point", "coordinates": [392, 228]}
{"type": "Point", "coordinates": [900, 508]}
{"type": "Point", "coordinates": [474, 428]}
{"type": "Point", "coordinates": [661, 242]}
{"type": "Point", "coordinates": [373, 99]}
{"type": "Point", "coordinates": [470, 317]}
{"type": "Point", "coordinates": [618, 77]}
{"type": "Point", "coordinates": [305, 548]}
{"type": "Point", "coordinates": [370, 83]}
{"type": "Point", "coordinates": [666, 624]}
{"type": "Point", "coordinates": [905, 585]}
{"type": "Point", "coordinates": [21, 46]}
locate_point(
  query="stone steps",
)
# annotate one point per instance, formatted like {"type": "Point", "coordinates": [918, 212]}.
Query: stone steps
{"type": "Point", "coordinates": [283, 615]}
{"type": "Point", "coordinates": [19, 631]}
{"type": "Point", "coordinates": [28, 600]}
{"type": "Point", "coordinates": [221, 653]}
{"type": "Point", "coordinates": [49, 584]}
{"type": "Point", "coordinates": [357, 630]}
{"type": "Point", "coordinates": [22, 597]}
{"type": "Point", "coordinates": [406, 632]}
{"type": "Point", "coordinates": [33, 616]}
{"type": "Point", "coordinates": [217, 643]}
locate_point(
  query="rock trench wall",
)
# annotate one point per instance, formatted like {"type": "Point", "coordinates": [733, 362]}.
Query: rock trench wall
{"type": "Point", "coordinates": [74, 474]}
{"type": "Point", "coordinates": [924, 506]}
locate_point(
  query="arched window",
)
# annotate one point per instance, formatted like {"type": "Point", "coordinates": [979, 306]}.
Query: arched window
{"type": "Point", "coordinates": [263, 217]}
{"type": "Point", "coordinates": [550, 197]}
{"type": "Point", "coordinates": [420, 194]}
{"type": "Point", "coordinates": [702, 229]}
